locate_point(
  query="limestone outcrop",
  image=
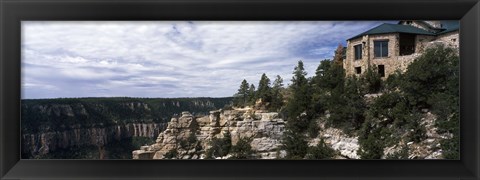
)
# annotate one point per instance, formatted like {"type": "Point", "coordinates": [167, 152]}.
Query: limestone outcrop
{"type": "Point", "coordinates": [189, 136]}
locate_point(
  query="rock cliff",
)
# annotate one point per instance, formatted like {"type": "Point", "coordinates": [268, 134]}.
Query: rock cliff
{"type": "Point", "coordinates": [42, 143]}
{"type": "Point", "coordinates": [51, 125]}
{"type": "Point", "coordinates": [264, 129]}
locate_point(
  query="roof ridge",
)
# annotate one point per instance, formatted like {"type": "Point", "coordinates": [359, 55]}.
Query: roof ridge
{"type": "Point", "coordinates": [392, 28]}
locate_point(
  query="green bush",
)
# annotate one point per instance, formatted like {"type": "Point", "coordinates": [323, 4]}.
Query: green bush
{"type": "Point", "coordinates": [243, 149]}
{"type": "Point", "coordinates": [220, 146]}
{"type": "Point", "coordinates": [435, 71]}
{"type": "Point", "coordinates": [313, 129]}
{"type": "Point", "coordinates": [295, 144]}
{"type": "Point", "coordinates": [321, 151]}
{"type": "Point", "coordinates": [172, 154]}
{"type": "Point", "coordinates": [371, 80]}
{"type": "Point", "coordinates": [370, 141]}
{"type": "Point", "coordinates": [393, 81]}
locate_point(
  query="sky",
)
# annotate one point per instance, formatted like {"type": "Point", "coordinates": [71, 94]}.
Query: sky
{"type": "Point", "coordinates": [170, 58]}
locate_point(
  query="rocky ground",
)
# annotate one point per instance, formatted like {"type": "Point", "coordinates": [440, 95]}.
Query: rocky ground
{"type": "Point", "coordinates": [265, 129]}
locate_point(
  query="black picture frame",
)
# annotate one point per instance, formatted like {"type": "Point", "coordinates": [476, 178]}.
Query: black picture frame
{"type": "Point", "coordinates": [12, 12]}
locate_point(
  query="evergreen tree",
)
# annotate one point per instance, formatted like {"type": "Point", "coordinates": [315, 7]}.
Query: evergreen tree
{"type": "Point", "coordinates": [243, 149]}
{"type": "Point", "coordinates": [264, 90]}
{"type": "Point", "coordinates": [335, 77]}
{"type": "Point", "coordinates": [320, 72]}
{"type": "Point", "coordinates": [252, 95]}
{"type": "Point", "coordinates": [300, 100]}
{"type": "Point", "coordinates": [295, 144]}
{"type": "Point", "coordinates": [277, 97]}
{"type": "Point", "coordinates": [371, 142]}
{"type": "Point", "coordinates": [355, 105]}
{"type": "Point", "coordinates": [241, 98]}
{"type": "Point", "coordinates": [319, 91]}
{"type": "Point", "coordinates": [432, 81]}
{"type": "Point", "coordinates": [220, 146]}
{"type": "Point", "coordinates": [371, 80]}
{"type": "Point", "coordinates": [435, 71]}
{"type": "Point", "coordinates": [299, 79]}
{"type": "Point", "coordinates": [321, 151]}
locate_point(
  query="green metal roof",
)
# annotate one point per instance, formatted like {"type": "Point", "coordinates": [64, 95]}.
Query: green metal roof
{"type": "Point", "coordinates": [393, 28]}
{"type": "Point", "coordinates": [447, 26]}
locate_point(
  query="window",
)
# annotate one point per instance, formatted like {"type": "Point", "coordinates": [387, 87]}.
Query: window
{"type": "Point", "coordinates": [406, 44]}
{"type": "Point", "coordinates": [381, 70]}
{"type": "Point", "coordinates": [358, 70]}
{"type": "Point", "coordinates": [358, 51]}
{"type": "Point", "coordinates": [380, 48]}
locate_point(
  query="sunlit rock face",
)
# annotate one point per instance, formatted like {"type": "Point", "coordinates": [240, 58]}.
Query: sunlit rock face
{"type": "Point", "coordinates": [264, 129]}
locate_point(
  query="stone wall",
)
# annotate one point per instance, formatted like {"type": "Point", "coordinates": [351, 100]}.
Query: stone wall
{"type": "Point", "coordinates": [450, 39]}
{"type": "Point", "coordinates": [393, 61]}
{"type": "Point", "coordinates": [421, 42]}
{"type": "Point", "coordinates": [368, 56]}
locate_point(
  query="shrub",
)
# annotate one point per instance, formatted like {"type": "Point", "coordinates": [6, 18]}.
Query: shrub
{"type": "Point", "coordinates": [295, 144]}
{"type": "Point", "coordinates": [372, 83]}
{"type": "Point", "coordinates": [243, 149]}
{"type": "Point", "coordinates": [313, 129]}
{"type": "Point", "coordinates": [171, 154]}
{"type": "Point", "coordinates": [220, 146]}
{"type": "Point", "coordinates": [393, 82]}
{"type": "Point", "coordinates": [435, 71]}
{"type": "Point", "coordinates": [321, 151]}
{"type": "Point", "coordinates": [371, 141]}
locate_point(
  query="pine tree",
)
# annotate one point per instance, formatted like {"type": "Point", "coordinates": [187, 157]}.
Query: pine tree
{"type": "Point", "coordinates": [241, 97]}
{"type": "Point", "coordinates": [300, 100]}
{"type": "Point", "coordinates": [371, 144]}
{"type": "Point", "coordinates": [371, 80]}
{"type": "Point", "coordinates": [277, 97]}
{"type": "Point", "coordinates": [243, 149]}
{"type": "Point", "coordinates": [252, 97]}
{"type": "Point", "coordinates": [295, 144]}
{"type": "Point", "coordinates": [320, 72]}
{"type": "Point", "coordinates": [347, 106]}
{"type": "Point", "coordinates": [299, 79]}
{"type": "Point", "coordinates": [319, 94]}
{"type": "Point", "coordinates": [264, 90]}
{"type": "Point", "coordinates": [321, 151]}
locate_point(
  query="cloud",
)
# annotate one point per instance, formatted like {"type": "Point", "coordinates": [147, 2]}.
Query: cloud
{"type": "Point", "coordinates": [170, 58]}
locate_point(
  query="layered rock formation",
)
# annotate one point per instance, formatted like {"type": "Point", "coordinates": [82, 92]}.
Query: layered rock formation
{"type": "Point", "coordinates": [42, 143]}
{"type": "Point", "coordinates": [265, 130]}
{"type": "Point", "coordinates": [49, 125]}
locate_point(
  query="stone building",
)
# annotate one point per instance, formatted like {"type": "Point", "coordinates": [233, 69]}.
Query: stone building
{"type": "Point", "coordinates": [391, 47]}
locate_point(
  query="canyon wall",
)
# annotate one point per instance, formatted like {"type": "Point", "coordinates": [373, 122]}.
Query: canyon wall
{"type": "Point", "coordinates": [42, 143]}
{"type": "Point", "coordinates": [51, 125]}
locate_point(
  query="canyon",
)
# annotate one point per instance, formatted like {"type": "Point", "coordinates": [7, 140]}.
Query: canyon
{"type": "Point", "coordinates": [54, 126]}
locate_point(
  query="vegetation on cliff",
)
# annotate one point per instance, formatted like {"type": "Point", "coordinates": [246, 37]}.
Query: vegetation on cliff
{"type": "Point", "coordinates": [381, 112]}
